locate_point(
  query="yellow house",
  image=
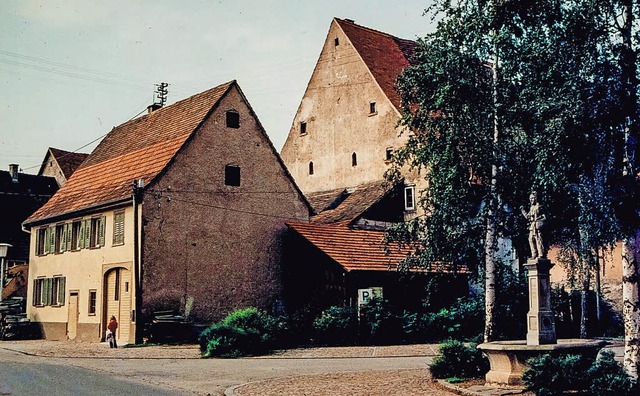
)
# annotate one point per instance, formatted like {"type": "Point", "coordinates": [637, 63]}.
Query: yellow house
{"type": "Point", "coordinates": [182, 209]}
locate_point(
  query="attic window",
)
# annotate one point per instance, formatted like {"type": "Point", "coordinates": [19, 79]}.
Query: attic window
{"type": "Point", "coordinates": [388, 155]}
{"type": "Point", "coordinates": [372, 108]}
{"type": "Point", "coordinates": [410, 198]}
{"type": "Point", "coordinates": [232, 175]}
{"type": "Point", "coordinates": [354, 159]}
{"type": "Point", "coordinates": [233, 119]}
{"type": "Point", "coordinates": [336, 42]}
{"type": "Point", "coordinates": [303, 127]}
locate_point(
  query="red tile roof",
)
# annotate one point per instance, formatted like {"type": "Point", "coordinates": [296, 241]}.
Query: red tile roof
{"type": "Point", "coordinates": [385, 55]}
{"type": "Point", "coordinates": [137, 149]}
{"type": "Point", "coordinates": [353, 249]}
{"type": "Point", "coordinates": [67, 160]}
{"type": "Point", "coordinates": [359, 199]}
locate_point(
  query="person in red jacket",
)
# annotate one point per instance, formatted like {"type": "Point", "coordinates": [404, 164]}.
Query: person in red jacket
{"type": "Point", "coordinates": [112, 327]}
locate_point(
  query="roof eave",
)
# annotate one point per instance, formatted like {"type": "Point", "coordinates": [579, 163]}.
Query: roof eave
{"type": "Point", "coordinates": [79, 212]}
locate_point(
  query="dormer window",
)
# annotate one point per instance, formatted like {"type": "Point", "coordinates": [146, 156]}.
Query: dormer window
{"type": "Point", "coordinates": [410, 198]}
{"type": "Point", "coordinates": [232, 175]}
{"type": "Point", "coordinates": [233, 119]}
{"type": "Point", "coordinates": [303, 127]}
{"type": "Point", "coordinates": [372, 108]}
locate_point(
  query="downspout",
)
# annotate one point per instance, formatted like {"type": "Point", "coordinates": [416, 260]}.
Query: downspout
{"type": "Point", "coordinates": [137, 187]}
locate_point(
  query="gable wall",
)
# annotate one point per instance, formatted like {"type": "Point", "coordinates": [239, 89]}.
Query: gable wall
{"type": "Point", "coordinates": [336, 109]}
{"type": "Point", "coordinates": [51, 168]}
{"type": "Point", "coordinates": [213, 247]}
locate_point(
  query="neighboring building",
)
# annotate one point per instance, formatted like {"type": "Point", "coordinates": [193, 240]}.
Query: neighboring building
{"type": "Point", "coordinates": [346, 128]}
{"type": "Point", "coordinates": [181, 209]}
{"type": "Point", "coordinates": [61, 164]}
{"type": "Point", "coordinates": [21, 194]}
{"type": "Point", "coordinates": [344, 251]}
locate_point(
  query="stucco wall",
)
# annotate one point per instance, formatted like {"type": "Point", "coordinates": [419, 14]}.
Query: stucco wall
{"type": "Point", "coordinates": [209, 248]}
{"type": "Point", "coordinates": [336, 108]}
{"type": "Point", "coordinates": [84, 270]}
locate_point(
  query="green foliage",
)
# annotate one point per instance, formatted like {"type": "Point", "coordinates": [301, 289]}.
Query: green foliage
{"type": "Point", "coordinates": [336, 325]}
{"type": "Point", "coordinates": [455, 359]}
{"type": "Point", "coordinates": [549, 376]}
{"type": "Point", "coordinates": [379, 324]}
{"type": "Point", "coordinates": [243, 332]}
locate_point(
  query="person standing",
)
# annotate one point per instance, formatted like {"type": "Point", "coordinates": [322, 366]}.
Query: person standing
{"type": "Point", "coordinates": [112, 327]}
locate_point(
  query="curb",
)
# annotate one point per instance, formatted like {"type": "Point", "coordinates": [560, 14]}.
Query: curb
{"type": "Point", "coordinates": [443, 384]}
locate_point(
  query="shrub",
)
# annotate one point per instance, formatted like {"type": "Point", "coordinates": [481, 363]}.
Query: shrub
{"type": "Point", "coordinates": [335, 325]}
{"type": "Point", "coordinates": [549, 376]}
{"type": "Point", "coordinates": [455, 359]}
{"type": "Point", "coordinates": [243, 332]}
{"type": "Point", "coordinates": [379, 325]}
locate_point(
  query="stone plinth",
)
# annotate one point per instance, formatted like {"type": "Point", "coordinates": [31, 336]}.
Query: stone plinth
{"type": "Point", "coordinates": [541, 327]}
{"type": "Point", "coordinates": [508, 358]}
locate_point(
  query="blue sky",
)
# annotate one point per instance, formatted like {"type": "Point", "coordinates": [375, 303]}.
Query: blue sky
{"type": "Point", "coordinates": [72, 70]}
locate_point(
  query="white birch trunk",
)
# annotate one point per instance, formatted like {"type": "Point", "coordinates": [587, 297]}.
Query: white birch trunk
{"type": "Point", "coordinates": [631, 301]}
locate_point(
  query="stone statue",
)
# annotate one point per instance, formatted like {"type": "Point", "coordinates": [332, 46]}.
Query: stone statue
{"type": "Point", "coordinates": [537, 219]}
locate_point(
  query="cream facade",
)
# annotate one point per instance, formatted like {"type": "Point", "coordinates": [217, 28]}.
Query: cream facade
{"type": "Point", "coordinates": [75, 285]}
{"type": "Point", "coordinates": [346, 127]}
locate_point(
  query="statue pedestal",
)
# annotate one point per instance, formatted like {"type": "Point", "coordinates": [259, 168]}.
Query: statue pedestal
{"type": "Point", "coordinates": [541, 325]}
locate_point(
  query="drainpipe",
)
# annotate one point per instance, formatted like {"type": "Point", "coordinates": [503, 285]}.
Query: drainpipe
{"type": "Point", "coordinates": [138, 185]}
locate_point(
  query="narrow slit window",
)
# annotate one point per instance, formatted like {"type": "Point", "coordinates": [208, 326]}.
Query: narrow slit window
{"type": "Point", "coordinates": [354, 159]}
{"type": "Point", "coordinates": [232, 175]}
{"type": "Point", "coordinates": [303, 127]}
{"type": "Point", "coordinates": [92, 302]}
{"type": "Point", "coordinates": [311, 167]}
{"type": "Point", "coordinates": [388, 154]}
{"type": "Point", "coordinates": [336, 41]}
{"type": "Point", "coordinates": [233, 119]}
{"type": "Point", "coordinates": [372, 108]}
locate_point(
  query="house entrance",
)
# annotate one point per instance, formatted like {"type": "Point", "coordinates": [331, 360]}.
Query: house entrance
{"type": "Point", "coordinates": [118, 301]}
{"type": "Point", "coordinates": [72, 326]}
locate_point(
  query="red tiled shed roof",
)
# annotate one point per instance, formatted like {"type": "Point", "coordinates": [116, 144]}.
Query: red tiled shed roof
{"type": "Point", "coordinates": [353, 249]}
{"type": "Point", "coordinates": [385, 55]}
{"type": "Point", "coordinates": [137, 149]}
{"type": "Point", "coordinates": [357, 202]}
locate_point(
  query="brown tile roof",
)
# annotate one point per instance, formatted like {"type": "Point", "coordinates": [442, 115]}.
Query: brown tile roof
{"type": "Point", "coordinates": [353, 249]}
{"type": "Point", "coordinates": [321, 200]}
{"type": "Point", "coordinates": [137, 149]}
{"type": "Point", "coordinates": [359, 199]}
{"type": "Point", "coordinates": [67, 160]}
{"type": "Point", "coordinates": [385, 55]}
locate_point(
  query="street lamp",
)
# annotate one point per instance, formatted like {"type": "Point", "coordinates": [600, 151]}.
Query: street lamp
{"type": "Point", "coordinates": [3, 255]}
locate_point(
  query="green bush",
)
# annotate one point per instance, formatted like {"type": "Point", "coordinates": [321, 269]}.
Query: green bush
{"type": "Point", "coordinates": [379, 325]}
{"type": "Point", "coordinates": [455, 359]}
{"type": "Point", "coordinates": [243, 332]}
{"type": "Point", "coordinates": [550, 376]}
{"type": "Point", "coordinates": [336, 325]}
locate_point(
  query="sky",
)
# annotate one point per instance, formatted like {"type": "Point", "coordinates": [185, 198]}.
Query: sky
{"type": "Point", "coordinates": [71, 70]}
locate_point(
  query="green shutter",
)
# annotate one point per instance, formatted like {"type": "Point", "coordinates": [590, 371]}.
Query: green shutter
{"type": "Point", "coordinates": [46, 240]}
{"type": "Point", "coordinates": [68, 232]}
{"type": "Point", "coordinates": [48, 291]}
{"type": "Point", "coordinates": [87, 233]}
{"type": "Point", "coordinates": [101, 226]}
{"type": "Point", "coordinates": [63, 240]}
{"type": "Point", "coordinates": [52, 239]}
{"type": "Point", "coordinates": [61, 290]}
{"type": "Point", "coordinates": [81, 232]}
{"type": "Point", "coordinates": [35, 292]}
{"type": "Point", "coordinates": [38, 252]}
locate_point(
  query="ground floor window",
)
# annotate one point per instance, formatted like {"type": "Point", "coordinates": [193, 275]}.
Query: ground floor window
{"type": "Point", "coordinates": [92, 302]}
{"type": "Point", "coordinates": [49, 291]}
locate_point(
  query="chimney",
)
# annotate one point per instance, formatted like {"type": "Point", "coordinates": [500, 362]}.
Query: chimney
{"type": "Point", "coordinates": [13, 171]}
{"type": "Point", "coordinates": [153, 107]}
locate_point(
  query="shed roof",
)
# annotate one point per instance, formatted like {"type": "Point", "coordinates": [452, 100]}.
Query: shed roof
{"type": "Point", "coordinates": [385, 55]}
{"type": "Point", "coordinates": [356, 201]}
{"type": "Point", "coordinates": [138, 149]}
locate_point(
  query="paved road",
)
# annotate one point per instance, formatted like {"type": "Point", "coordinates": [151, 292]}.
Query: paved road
{"type": "Point", "coordinates": [27, 375]}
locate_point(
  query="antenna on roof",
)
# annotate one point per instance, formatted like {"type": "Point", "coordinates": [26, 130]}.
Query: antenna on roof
{"type": "Point", "coordinates": [161, 94]}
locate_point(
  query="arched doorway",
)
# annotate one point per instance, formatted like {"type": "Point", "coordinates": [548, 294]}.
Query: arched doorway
{"type": "Point", "coordinates": [117, 301]}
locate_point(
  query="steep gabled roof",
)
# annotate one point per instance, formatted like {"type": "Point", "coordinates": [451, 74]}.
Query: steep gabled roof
{"type": "Point", "coordinates": [68, 161]}
{"type": "Point", "coordinates": [385, 55]}
{"type": "Point", "coordinates": [137, 149]}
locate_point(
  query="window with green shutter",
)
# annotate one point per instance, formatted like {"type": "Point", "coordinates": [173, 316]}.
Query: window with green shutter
{"type": "Point", "coordinates": [118, 228]}
{"type": "Point", "coordinates": [87, 233]}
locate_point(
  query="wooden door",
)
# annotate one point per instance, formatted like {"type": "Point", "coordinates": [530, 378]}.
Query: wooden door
{"type": "Point", "coordinates": [72, 326]}
{"type": "Point", "coordinates": [118, 301]}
